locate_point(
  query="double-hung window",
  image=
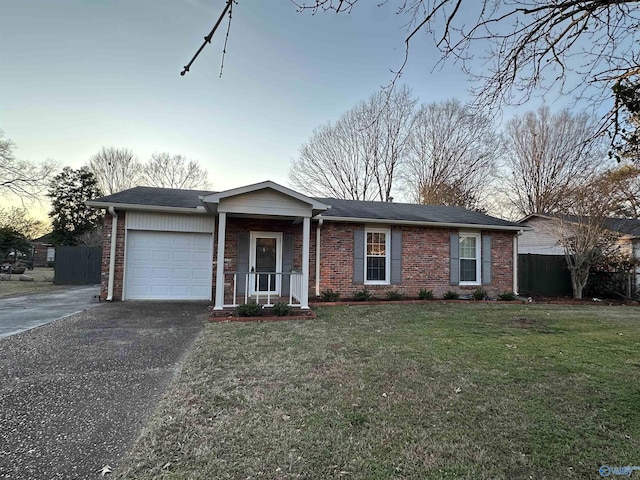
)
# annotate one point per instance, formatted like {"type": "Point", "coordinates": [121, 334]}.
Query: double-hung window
{"type": "Point", "coordinates": [470, 259]}
{"type": "Point", "coordinates": [377, 256]}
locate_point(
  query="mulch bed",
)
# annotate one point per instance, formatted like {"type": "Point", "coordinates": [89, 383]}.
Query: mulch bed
{"type": "Point", "coordinates": [232, 316]}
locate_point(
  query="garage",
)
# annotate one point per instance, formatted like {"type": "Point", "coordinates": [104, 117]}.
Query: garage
{"type": "Point", "coordinates": [169, 265]}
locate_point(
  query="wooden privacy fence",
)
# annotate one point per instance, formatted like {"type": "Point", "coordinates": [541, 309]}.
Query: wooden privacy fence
{"type": "Point", "coordinates": [77, 265]}
{"type": "Point", "coordinates": [543, 275]}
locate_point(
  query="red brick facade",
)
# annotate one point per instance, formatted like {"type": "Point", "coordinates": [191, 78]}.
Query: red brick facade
{"type": "Point", "coordinates": [106, 256]}
{"type": "Point", "coordinates": [425, 257]}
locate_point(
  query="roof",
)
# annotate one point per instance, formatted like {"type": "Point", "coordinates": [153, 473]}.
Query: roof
{"type": "Point", "coordinates": [408, 212]}
{"type": "Point", "coordinates": [153, 196]}
{"type": "Point", "coordinates": [626, 226]}
{"type": "Point", "coordinates": [341, 210]}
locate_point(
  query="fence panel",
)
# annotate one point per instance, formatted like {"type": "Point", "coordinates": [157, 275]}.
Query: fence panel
{"type": "Point", "coordinates": [77, 265]}
{"type": "Point", "coordinates": [543, 275]}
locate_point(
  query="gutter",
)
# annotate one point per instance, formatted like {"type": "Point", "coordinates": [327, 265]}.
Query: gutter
{"type": "Point", "coordinates": [320, 221]}
{"type": "Point", "coordinates": [518, 228]}
{"type": "Point", "coordinates": [112, 254]}
{"type": "Point", "coordinates": [152, 208]}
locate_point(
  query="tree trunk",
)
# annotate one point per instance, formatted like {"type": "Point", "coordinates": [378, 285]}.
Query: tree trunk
{"type": "Point", "coordinates": [578, 282]}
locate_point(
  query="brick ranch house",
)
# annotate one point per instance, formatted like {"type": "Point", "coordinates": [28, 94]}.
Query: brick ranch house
{"type": "Point", "coordinates": [267, 241]}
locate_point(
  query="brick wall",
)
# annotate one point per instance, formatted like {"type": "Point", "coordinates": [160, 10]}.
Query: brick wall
{"type": "Point", "coordinates": [106, 256]}
{"type": "Point", "coordinates": [425, 261]}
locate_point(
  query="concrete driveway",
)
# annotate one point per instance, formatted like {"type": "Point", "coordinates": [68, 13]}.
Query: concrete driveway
{"type": "Point", "coordinates": [22, 313]}
{"type": "Point", "coordinates": [76, 392]}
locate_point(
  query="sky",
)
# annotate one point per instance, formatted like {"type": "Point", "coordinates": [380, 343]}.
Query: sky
{"type": "Point", "coordinates": [79, 75]}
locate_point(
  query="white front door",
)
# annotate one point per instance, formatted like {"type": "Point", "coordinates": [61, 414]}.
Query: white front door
{"type": "Point", "coordinates": [265, 259]}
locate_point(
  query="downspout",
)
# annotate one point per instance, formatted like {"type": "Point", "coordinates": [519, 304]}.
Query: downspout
{"type": "Point", "coordinates": [320, 221]}
{"type": "Point", "coordinates": [515, 262]}
{"type": "Point", "coordinates": [112, 255]}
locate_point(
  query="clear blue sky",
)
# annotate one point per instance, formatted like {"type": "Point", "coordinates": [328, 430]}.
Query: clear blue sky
{"type": "Point", "coordinates": [79, 75]}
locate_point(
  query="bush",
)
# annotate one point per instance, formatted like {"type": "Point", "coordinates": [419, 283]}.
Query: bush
{"type": "Point", "coordinates": [281, 309]}
{"type": "Point", "coordinates": [451, 295]}
{"type": "Point", "coordinates": [479, 294]}
{"type": "Point", "coordinates": [394, 295]}
{"type": "Point", "coordinates": [424, 294]}
{"type": "Point", "coordinates": [250, 309]}
{"type": "Point", "coordinates": [329, 296]}
{"type": "Point", "coordinates": [363, 295]}
{"type": "Point", "coordinates": [507, 296]}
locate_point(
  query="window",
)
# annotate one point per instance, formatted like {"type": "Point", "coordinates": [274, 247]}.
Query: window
{"type": "Point", "coordinates": [377, 256]}
{"type": "Point", "coordinates": [470, 259]}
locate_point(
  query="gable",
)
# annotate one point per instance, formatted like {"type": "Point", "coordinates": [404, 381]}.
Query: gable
{"type": "Point", "coordinates": [265, 202]}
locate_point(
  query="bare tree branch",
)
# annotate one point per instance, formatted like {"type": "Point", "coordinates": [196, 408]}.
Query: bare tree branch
{"type": "Point", "coordinates": [174, 171]}
{"type": "Point", "coordinates": [21, 178]}
{"type": "Point", "coordinates": [115, 169]}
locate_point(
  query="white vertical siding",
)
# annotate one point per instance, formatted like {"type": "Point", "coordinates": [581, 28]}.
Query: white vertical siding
{"type": "Point", "coordinates": [170, 222]}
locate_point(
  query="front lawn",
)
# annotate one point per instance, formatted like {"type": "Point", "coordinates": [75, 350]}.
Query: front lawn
{"type": "Point", "coordinates": [404, 391]}
{"type": "Point", "coordinates": [42, 282]}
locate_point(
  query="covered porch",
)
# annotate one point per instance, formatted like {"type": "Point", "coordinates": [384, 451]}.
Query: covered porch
{"type": "Point", "coordinates": [263, 244]}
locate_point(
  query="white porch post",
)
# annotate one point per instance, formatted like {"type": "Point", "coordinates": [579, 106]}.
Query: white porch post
{"type": "Point", "coordinates": [222, 225]}
{"type": "Point", "coordinates": [306, 232]}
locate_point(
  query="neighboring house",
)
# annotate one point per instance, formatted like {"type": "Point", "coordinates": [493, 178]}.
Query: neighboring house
{"type": "Point", "coordinates": [44, 252]}
{"type": "Point", "coordinates": [266, 239]}
{"type": "Point", "coordinates": [542, 237]}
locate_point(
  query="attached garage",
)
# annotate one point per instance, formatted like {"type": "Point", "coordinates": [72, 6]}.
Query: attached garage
{"type": "Point", "coordinates": [166, 261]}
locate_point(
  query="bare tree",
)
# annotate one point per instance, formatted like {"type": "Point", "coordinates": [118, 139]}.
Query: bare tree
{"type": "Point", "coordinates": [92, 238]}
{"type": "Point", "coordinates": [358, 156]}
{"type": "Point", "coordinates": [174, 171]}
{"type": "Point", "coordinates": [115, 169]}
{"type": "Point", "coordinates": [19, 220]}
{"type": "Point", "coordinates": [451, 155]}
{"type": "Point", "coordinates": [21, 178]}
{"type": "Point", "coordinates": [547, 156]}
{"type": "Point", "coordinates": [583, 234]}
{"type": "Point", "coordinates": [529, 46]}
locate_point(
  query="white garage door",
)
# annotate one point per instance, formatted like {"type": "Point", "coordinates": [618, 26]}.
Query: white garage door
{"type": "Point", "coordinates": [168, 266]}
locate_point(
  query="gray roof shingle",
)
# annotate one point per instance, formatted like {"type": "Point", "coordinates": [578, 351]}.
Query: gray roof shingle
{"type": "Point", "coordinates": [409, 212]}
{"type": "Point", "coordinates": [168, 197]}
{"type": "Point", "coordinates": [158, 197]}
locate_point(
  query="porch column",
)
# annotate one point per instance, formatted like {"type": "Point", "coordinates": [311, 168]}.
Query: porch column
{"type": "Point", "coordinates": [222, 225]}
{"type": "Point", "coordinates": [306, 232]}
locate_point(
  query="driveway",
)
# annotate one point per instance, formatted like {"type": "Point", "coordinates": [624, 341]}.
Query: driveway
{"type": "Point", "coordinates": [75, 393]}
{"type": "Point", "coordinates": [22, 313]}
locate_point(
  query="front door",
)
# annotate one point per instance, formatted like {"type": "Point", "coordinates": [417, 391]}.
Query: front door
{"type": "Point", "coordinates": [265, 260]}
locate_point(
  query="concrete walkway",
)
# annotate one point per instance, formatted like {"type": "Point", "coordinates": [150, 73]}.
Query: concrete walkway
{"type": "Point", "coordinates": [76, 392]}
{"type": "Point", "coordinates": [22, 313]}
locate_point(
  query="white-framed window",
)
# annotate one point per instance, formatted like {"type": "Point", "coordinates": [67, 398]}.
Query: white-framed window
{"type": "Point", "coordinates": [470, 259]}
{"type": "Point", "coordinates": [377, 256]}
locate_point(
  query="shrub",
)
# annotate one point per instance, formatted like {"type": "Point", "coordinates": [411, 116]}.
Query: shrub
{"type": "Point", "coordinates": [281, 309]}
{"type": "Point", "coordinates": [394, 295]}
{"type": "Point", "coordinates": [250, 309]}
{"type": "Point", "coordinates": [363, 295]}
{"type": "Point", "coordinates": [507, 296]}
{"type": "Point", "coordinates": [479, 294]}
{"type": "Point", "coordinates": [329, 296]}
{"type": "Point", "coordinates": [451, 295]}
{"type": "Point", "coordinates": [425, 294]}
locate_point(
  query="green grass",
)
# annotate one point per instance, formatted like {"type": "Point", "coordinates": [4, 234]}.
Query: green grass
{"type": "Point", "coordinates": [404, 391]}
